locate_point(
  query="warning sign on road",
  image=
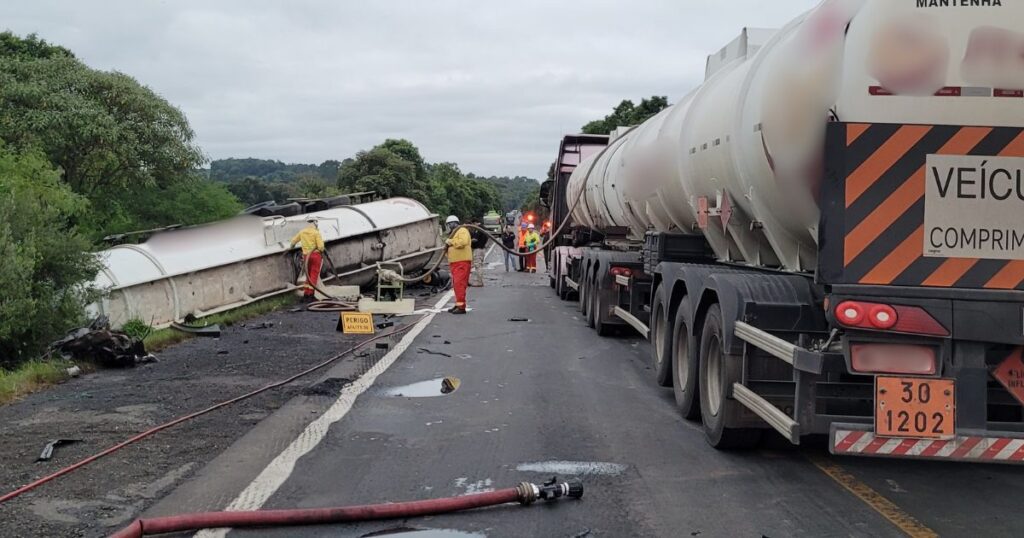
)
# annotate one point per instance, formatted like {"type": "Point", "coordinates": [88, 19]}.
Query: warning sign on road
{"type": "Point", "coordinates": [356, 323]}
{"type": "Point", "coordinates": [974, 207]}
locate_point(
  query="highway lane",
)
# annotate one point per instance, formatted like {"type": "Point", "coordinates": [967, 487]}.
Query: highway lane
{"type": "Point", "coordinates": [550, 390]}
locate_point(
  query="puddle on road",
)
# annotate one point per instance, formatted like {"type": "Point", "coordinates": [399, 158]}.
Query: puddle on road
{"type": "Point", "coordinates": [426, 389]}
{"type": "Point", "coordinates": [424, 533]}
{"type": "Point", "coordinates": [572, 468]}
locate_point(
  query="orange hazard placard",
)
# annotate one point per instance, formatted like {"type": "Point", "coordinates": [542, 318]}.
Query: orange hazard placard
{"type": "Point", "coordinates": [356, 323]}
{"type": "Point", "coordinates": [1010, 373]}
{"type": "Point", "coordinates": [914, 407]}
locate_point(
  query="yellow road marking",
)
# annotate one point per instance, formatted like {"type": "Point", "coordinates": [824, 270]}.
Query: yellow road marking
{"type": "Point", "coordinates": [902, 520]}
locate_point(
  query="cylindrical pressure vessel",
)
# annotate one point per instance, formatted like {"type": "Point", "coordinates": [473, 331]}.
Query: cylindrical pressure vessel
{"type": "Point", "coordinates": [740, 158]}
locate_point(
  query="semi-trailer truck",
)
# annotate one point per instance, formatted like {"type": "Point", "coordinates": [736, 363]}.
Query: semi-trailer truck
{"type": "Point", "coordinates": [826, 236]}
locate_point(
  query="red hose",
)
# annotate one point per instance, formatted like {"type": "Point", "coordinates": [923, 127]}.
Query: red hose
{"type": "Point", "coordinates": [309, 516]}
{"type": "Point", "coordinates": [179, 420]}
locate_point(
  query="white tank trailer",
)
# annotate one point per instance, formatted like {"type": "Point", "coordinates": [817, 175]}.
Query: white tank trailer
{"type": "Point", "coordinates": [834, 216]}
{"type": "Point", "coordinates": [748, 141]}
{"type": "Point", "coordinates": [216, 267]}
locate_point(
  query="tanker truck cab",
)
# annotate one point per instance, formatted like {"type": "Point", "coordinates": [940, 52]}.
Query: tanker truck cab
{"type": "Point", "coordinates": [833, 241]}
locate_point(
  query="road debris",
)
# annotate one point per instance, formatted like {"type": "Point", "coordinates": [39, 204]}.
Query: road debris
{"type": "Point", "coordinates": [211, 331]}
{"type": "Point", "coordinates": [572, 468]}
{"type": "Point", "coordinates": [432, 352]}
{"type": "Point", "coordinates": [74, 371]}
{"type": "Point", "coordinates": [519, 319]}
{"type": "Point", "coordinates": [98, 342]}
{"type": "Point", "coordinates": [47, 452]}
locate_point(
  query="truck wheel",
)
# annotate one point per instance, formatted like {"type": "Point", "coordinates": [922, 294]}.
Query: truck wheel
{"type": "Point", "coordinates": [718, 371]}
{"type": "Point", "coordinates": [582, 304]}
{"type": "Point", "coordinates": [590, 310]}
{"type": "Point", "coordinates": [601, 316]}
{"type": "Point", "coordinates": [661, 339]}
{"type": "Point", "coordinates": [684, 366]}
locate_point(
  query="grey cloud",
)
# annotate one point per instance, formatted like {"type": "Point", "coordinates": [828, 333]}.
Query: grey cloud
{"type": "Point", "coordinates": [488, 85]}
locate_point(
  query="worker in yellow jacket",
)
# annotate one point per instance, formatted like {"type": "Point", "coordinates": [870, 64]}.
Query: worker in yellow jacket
{"type": "Point", "coordinates": [460, 261]}
{"type": "Point", "coordinates": [312, 253]}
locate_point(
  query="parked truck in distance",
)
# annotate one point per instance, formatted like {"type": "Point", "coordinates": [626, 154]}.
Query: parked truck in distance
{"type": "Point", "coordinates": [826, 236]}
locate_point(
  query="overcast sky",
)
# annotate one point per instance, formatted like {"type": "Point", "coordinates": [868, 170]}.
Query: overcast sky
{"type": "Point", "coordinates": [491, 86]}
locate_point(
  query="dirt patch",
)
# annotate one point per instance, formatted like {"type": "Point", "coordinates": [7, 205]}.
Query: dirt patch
{"type": "Point", "coordinates": [110, 406]}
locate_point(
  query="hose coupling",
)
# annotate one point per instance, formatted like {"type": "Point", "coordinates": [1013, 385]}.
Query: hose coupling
{"type": "Point", "coordinates": [549, 491]}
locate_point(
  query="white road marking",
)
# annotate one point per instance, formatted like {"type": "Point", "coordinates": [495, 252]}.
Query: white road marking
{"type": "Point", "coordinates": [277, 472]}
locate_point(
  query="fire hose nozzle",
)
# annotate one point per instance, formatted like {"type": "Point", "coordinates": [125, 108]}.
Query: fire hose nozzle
{"type": "Point", "coordinates": [550, 490]}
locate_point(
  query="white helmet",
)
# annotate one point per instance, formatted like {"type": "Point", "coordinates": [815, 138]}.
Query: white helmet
{"type": "Point", "coordinates": [451, 219]}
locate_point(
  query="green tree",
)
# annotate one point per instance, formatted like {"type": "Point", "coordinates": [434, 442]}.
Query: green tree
{"type": "Point", "coordinates": [252, 191]}
{"type": "Point", "coordinates": [194, 200]}
{"type": "Point", "coordinates": [110, 136]}
{"type": "Point", "coordinates": [627, 114]}
{"type": "Point", "coordinates": [312, 186]}
{"type": "Point", "coordinates": [452, 193]}
{"type": "Point", "coordinates": [44, 260]}
{"type": "Point", "coordinates": [393, 168]}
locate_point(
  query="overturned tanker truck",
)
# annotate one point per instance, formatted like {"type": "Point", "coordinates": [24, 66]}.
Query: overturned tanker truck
{"type": "Point", "coordinates": [826, 236]}
{"type": "Point", "coordinates": [216, 267]}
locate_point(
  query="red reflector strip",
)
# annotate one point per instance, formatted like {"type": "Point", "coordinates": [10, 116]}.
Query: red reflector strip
{"type": "Point", "coordinates": [1007, 93]}
{"type": "Point", "coordinates": [961, 447]}
{"type": "Point", "coordinates": [949, 91]}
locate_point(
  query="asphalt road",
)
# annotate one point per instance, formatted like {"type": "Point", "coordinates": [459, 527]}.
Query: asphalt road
{"type": "Point", "coordinates": [549, 390]}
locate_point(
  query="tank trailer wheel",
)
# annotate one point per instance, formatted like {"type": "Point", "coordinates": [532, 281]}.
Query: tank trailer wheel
{"type": "Point", "coordinates": [590, 310]}
{"type": "Point", "coordinates": [661, 339]}
{"type": "Point", "coordinates": [684, 366]}
{"type": "Point", "coordinates": [718, 371]}
{"type": "Point", "coordinates": [601, 316]}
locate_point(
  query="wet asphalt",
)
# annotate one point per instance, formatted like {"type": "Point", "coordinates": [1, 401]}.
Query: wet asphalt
{"type": "Point", "coordinates": [548, 396]}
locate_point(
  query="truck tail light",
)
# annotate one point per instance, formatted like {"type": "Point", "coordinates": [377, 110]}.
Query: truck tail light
{"type": "Point", "coordinates": [892, 359]}
{"type": "Point", "coordinates": [883, 317]}
{"type": "Point", "coordinates": [621, 271]}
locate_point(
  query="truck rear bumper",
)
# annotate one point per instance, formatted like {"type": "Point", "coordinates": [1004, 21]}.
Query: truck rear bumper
{"type": "Point", "coordinates": [991, 447]}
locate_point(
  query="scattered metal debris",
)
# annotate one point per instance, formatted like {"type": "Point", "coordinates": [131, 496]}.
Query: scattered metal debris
{"type": "Point", "coordinates": [47, 452]}
{"type": "Point", "coordinates": [212, 331]}
{"type": "Point", "coordinates": [431, 352]}
{"type": "Point", "coordinates": [519, 319]}
{"type": "Point", "coordinates": [385, 324]}
{"type": "Point", "coordinates": [99, 343]}
{"type": "Point", "coordinates": [262, 325]}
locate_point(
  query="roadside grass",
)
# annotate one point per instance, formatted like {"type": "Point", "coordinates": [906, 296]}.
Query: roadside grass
{"type": "Point", "coordinates": [163, 338]}
{"type": "Point", "coordinates": [30, 377]}
{"type": "Point", "coordinates": [38, 374]}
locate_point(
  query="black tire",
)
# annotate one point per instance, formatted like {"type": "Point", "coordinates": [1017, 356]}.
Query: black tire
{"type": "Point", "coordinates": [718, 371]}
{"type": "Point", "coordinates": [551, 281]}
{"type": "Point", "coordinates": [661, 339]}
{"type": "Point", "coordinates": [601, 316]}
{"type": "Point", "coordinates": [684, 365]}
{"type": "Point", "coordinates": [590, 310]}
{"type": "Point", "coordinates": [582, 304]}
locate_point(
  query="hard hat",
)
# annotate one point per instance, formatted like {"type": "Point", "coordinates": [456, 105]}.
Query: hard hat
{"type": "Point", "coordinates": [451, 219]}
{"type": "Point", "coordinates": [523, 224]}
{"type": "Point", "coordinates": [311, 219]}
{"type": "Point", "coordinates": [532, 226]}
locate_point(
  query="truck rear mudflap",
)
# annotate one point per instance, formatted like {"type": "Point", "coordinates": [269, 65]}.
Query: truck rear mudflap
{"type": "Point", "coordinates": [989, 447]}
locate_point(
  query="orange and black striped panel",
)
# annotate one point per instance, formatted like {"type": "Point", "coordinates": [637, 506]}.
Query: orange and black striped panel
{"type": "Point", "coordinates": [873, 199]}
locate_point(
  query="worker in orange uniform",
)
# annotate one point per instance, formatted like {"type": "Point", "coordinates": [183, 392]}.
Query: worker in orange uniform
{"type": "Point", "coordinates": [312, 254]}
{"type": "Point", "coordinates": [460, 261]}
{"type": "Point", "coordinates": [532, 242]}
